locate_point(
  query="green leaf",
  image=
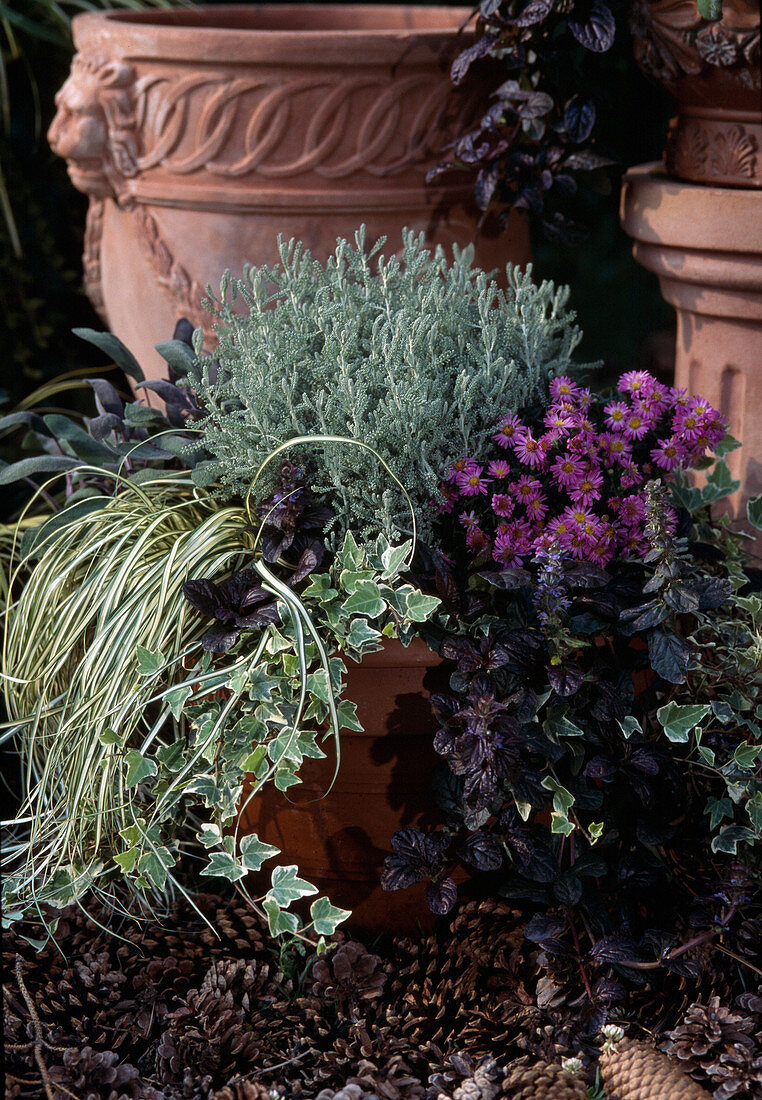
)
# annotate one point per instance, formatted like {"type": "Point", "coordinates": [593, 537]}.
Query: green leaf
{"type": "Point", "coordinates": [114, 348]}
{"type": "Point", "coordinates": [718, 809]}
{"type": "Point", "coordinates": [320, 588]}
{"type": "Point", "coordinates": [30, 467]}
{"type": "Point", "coordinates": [746, 755]}
{"type": "Point", "coordinates": [150, 661]}
{"type": "Point", "coordinates": [728, 839]}
{"type": "Point", "coordinates": [362, 636]}
{"type": "Point", "coordinates": [154, 865]}
{"type": "Point", "coordinates": [260, 686]}
{"type": "Point", "coordinates": [288, 887]}
{"type": "Point", "coordinates": [326, 917]}
{"type": "Point", "coordinates": [728, 443]}
{"type": "Point", "coordinates": [347, 715]}
{"type": "Point", "coordinates": [678, 719]}
{"type": "Point", "coordinates": [719, 483]}
{"type": "Point", "coordinates": [629, 725]}
{"type": "Point", "coordinates": [563, 800]}
{"type": "Point", "coordinates": [254, 852]}
{"type": "Point", "coordinates": [177, 354]}
{"type": "Point", "coordinates": [710, 9]}
{"type": "Point", "coordinates": [127, 860]}
{"type": "Point", "coordinates": [111, 737]}
{"type": "Point", "coordinates": [393, 559]}
{"type": "Point", "coordinates": [366, 600]}
{"type": "Point", "coordinates": [80, 441]}
{"type": "Point", "coordinates": [559, 823]}
{"type": "Point", "coordinates": [280, 922]}
{"type": "Point", "coordinates": [176, 697]}
{"type": "Point", "coordinates": [350, 556]}
{"type": "Point", "coordinates": [419, 606]}
{"type": "Point", "coordinates": [142, 416]}
{"type": "Point", "coordinates": [209, 835]}
{"type": "Point", "coordinates": [754, 511]}
{"type": "Point", "coordinates": [223, 865]}
{"type": "Point", "coordinates": [139, 768]}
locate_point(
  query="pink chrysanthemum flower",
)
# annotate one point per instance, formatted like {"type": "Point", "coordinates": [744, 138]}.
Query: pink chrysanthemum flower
{"type": "Point", "coordinates": [476, 540]}
{"type": "Point", "coordinates": [631, 476]}
{"type": "Point", "coordinates": [585, 399]}
{"type": "Point", "coordinates": [471, 482]}
{"type": "Point", "coordinates": [616, 413]}
{"type": "Point", "coordinates": [460, 466]}
{"type": "Point", "coordinates": [566, 469]}
{"type": "Point", "coordinates": [509, 426]}
{"type": "Point", "coordinates": [499, 468]}
{"type": "Point", "coordinates": [468, 520]}
{"type": "Point", "coordinates": [527, 448]}
{"type": "Point", "coordinates": [586, 489]}
{"type": "Point", "coordinates": [558, 420]}
{"type": "Point", "coordinates": [679, 398]}
{"type": "Point", "coordinates": [526, 488]}
{"type": "Point", "coordinates": [668, 454]}
{"type": "Point", "coordinates": [632, 510]}
{"type": "Point", "coordinates": [503, 504]}
{"type": "Point", "coordinates": [636, 425]}
{"type": "Point", "coordinates": [537, 508]}
{"type": "Point", "coordinates": [563, 389]}
{"type": "Point", "coordinates": [615, 448]}
{"type": "Point", "coordinates": [634, 381]}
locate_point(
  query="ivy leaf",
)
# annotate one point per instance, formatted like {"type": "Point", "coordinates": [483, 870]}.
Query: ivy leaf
{"type": "Point", "coordinates": [365, 600]}
{"type": "Point", "coordinates": [154, 865]}
{"type": "Point", "coordinates": [177, 697]}
{"type": "Point", "coordinates": [419, 606]}
{"type": "Point", "coordinates": [150, 661]}
{"type": "Point", "coordinates": [746, 755]}
{"type": "Point", "coordinates": [719, 483]}
{"type": "Point", "coordinates": [288, 887]}
{"type": "Point", "coordinates": [393, 558]}
{"type": "Point", "coordinates": [111, 737]}
{"type": "Point", "coordinates": [278, 921]}
{"type": "Point", "coordinates": [326, 917]}
{"type": "Point", "coordinates": [679, 719]}
{"type": "Point", "coordinates": [362, 636]}
{"type": "Point", "coordinates": [139, 768]}
{"type": "Point", "coordinates": [754, 511]}
{"type": "Point", "coordinates": [728, 839]}
{"type": "Point", "coordinates": [668, 655]}
{"type": "Point", "coordinates": [255, 852]}
{"type": "Point", "coordinates": [223, 865]}
{"type": "Point", "coordinates": [209, 835]}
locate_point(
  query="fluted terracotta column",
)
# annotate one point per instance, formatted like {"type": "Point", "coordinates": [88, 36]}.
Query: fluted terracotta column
{"type": "Point", "coordinates": [705, 244]}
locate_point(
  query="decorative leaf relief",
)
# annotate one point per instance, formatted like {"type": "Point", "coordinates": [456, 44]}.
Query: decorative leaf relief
{"type": "Point", "coordinates": [733, 153]}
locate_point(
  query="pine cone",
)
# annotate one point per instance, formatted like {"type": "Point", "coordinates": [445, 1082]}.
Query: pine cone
{"type": "Point", "coordinates": [483, 1085]}
{"type": "Point", "coordinates": [348, 973]}
{"type": "Point", "coordinates": [707, 1034]}
{"type": "Point", "coordinates": [633, 1070]}
{"type": "Point", "coordinates": [542, 1081]}
{"type": "Point", "coordinates": [348, 1092]}
{"type": "Point", "coordinates": [245, 1090]}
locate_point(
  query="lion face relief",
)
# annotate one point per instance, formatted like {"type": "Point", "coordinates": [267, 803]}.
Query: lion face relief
{"type": "Point", "coordinates": [94, 126]}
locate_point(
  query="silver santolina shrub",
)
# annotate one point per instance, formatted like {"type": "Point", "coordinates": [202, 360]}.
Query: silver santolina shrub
{"type": "Point", "coordinates": [413, 356]}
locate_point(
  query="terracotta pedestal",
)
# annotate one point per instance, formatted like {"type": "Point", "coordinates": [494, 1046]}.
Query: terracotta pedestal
{"type": "Point", "coordinates": [705, 244]}
{"type": "Point", "coordinates": [202, 134]}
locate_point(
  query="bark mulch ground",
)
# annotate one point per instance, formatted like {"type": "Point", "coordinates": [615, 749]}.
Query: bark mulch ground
{"type": "Point", "coordinates": [171, 1011]}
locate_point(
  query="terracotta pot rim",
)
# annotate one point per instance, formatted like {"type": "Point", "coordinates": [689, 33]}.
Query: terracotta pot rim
{"type": "Point", "coordinates": [337, 33]}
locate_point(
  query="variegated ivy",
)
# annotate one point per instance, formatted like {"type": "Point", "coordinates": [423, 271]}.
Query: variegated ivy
{"type": "Point", "coordinates": [262, 709]}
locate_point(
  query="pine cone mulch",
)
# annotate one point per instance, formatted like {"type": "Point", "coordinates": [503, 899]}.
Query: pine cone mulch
{"type": "Point", "coordinates": [542, 1081]}
{"type": "Point", "coordinates": [179, 1010]}
{"type": "Point", "coordinates": [633, 1070]}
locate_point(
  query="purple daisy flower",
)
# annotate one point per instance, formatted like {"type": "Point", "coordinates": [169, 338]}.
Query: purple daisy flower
{"type": "Point", "coordinates": [616, 413]}
{"type": "Point", "coordinates": [471, 483]}
{"type": "Point", "coordinates": [507, 430]}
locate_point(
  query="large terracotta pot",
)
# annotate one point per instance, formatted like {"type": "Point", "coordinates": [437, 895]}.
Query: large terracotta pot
{"type": "Point", "coordinates": [713, 72]}
{"type": "Point", "coordinates": [384, 782]}
{"type": "Point", "coordinates": [202, 134]}
{"type": "Point", "coordinates": [705, 245]}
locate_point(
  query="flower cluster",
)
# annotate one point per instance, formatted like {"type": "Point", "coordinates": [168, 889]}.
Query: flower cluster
{"type": "Point", "coordinates": [576, 478]}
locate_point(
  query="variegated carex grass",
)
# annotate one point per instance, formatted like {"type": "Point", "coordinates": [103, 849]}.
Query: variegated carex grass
{"type": "Point", "coordinates": [101, 586]}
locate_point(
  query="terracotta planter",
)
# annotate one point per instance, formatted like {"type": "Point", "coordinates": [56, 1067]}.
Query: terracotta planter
{"type": "Point", "coordinates": [339, 841]}
{"type": "Point", "coordinates": [202, 134]}
{"type": "Point", "coordinates": [705, 244]}
{"type": "Point", "coordinates": [713, 72]}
